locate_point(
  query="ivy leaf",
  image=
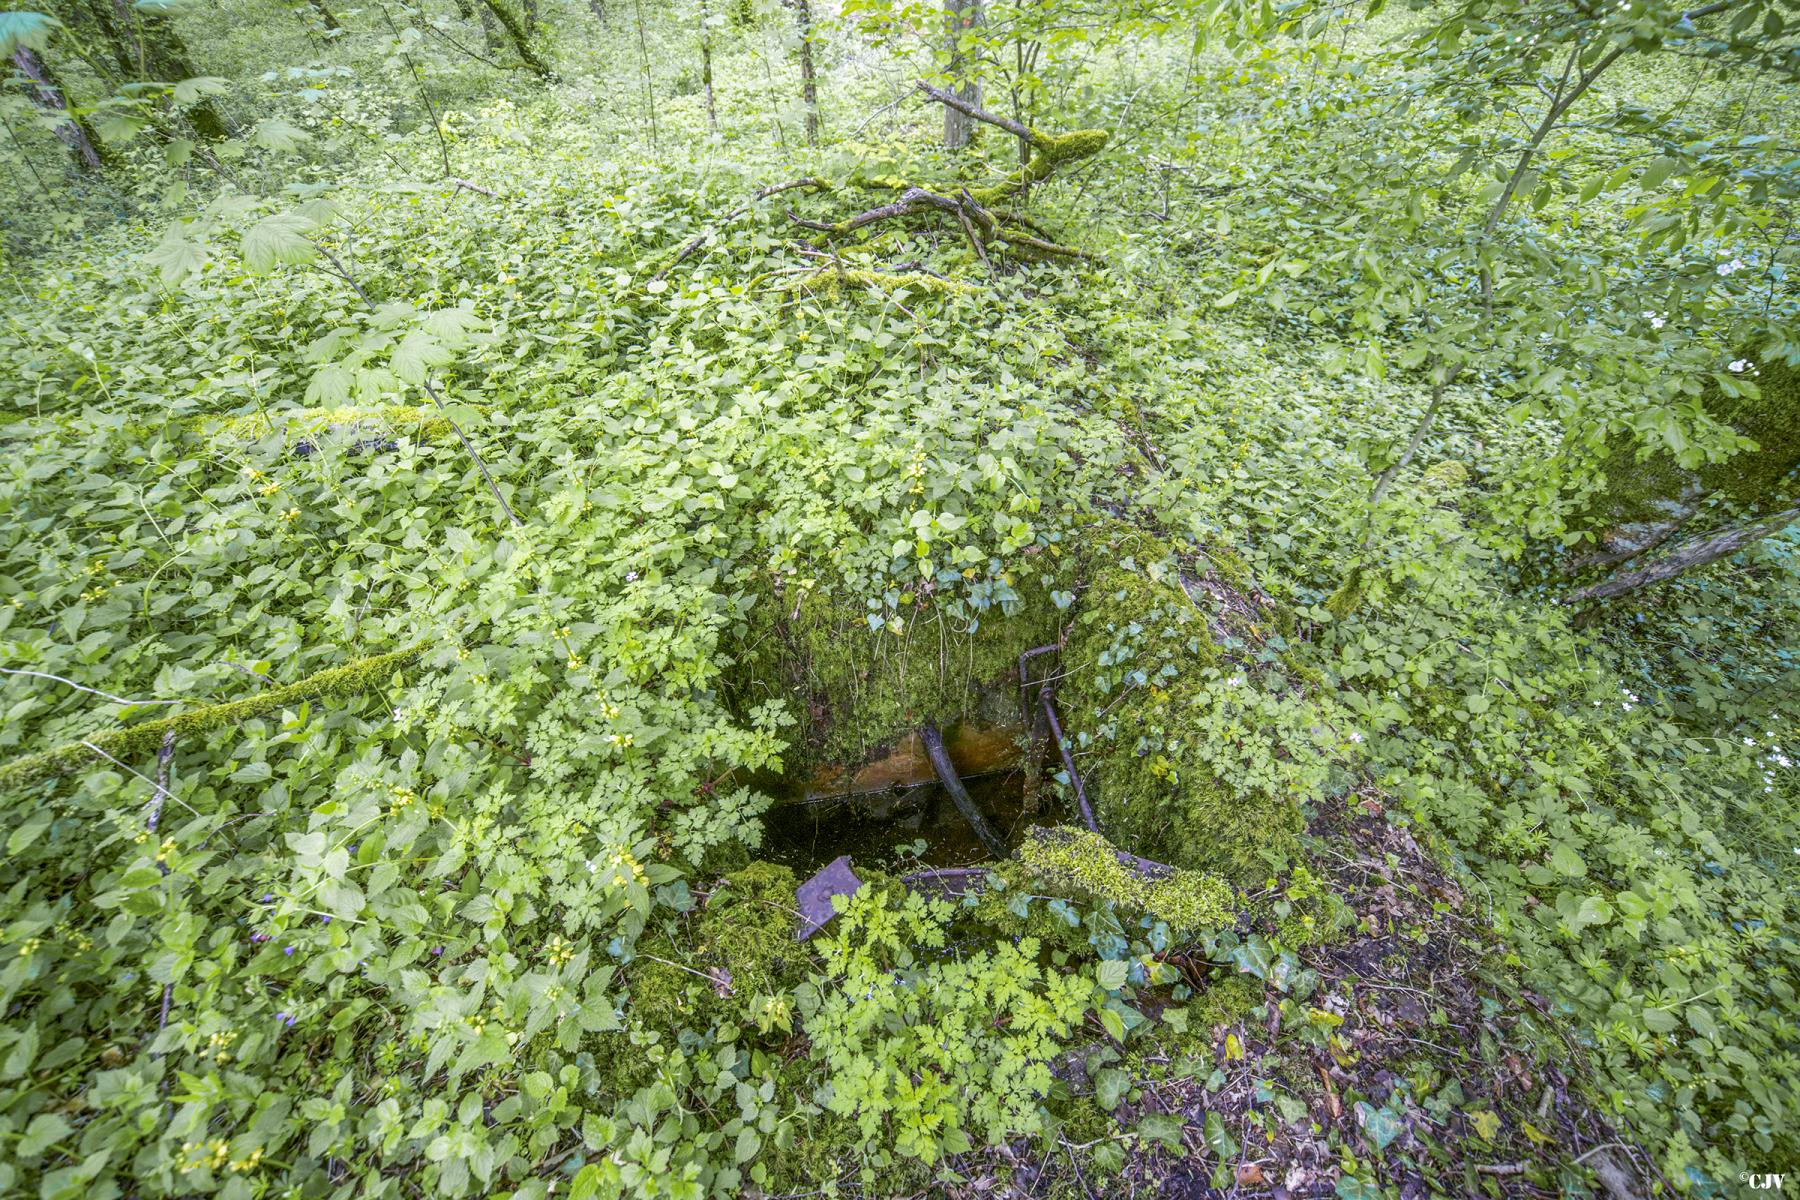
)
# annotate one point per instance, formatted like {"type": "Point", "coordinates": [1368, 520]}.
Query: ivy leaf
{"type": "Point", "coordinates": [1379, 1123]}
{"type": "Point", "coordinates": [1110, 1086]}
{"type": "Point", "coordinates": [1112, 975]}
{"type": "Point", "coordinates": [1162, 1127]}
{"type": "Point", "coordinates": [1218, 1139]}
{"type": "Point", "coordinates": [277, 240]}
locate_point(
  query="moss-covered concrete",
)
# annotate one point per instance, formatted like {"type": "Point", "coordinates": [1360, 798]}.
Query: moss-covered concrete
{"type": "Point", "coordinates": [1642, 500]}
{"type": "Point", "coordinates": [855, 691]}
{"type": "Point", "coordinates": [1136, 687]}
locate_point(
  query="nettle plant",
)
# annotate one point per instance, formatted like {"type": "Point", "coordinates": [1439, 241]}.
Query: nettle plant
{"type": "Point", "coordinates": [924, 1052]}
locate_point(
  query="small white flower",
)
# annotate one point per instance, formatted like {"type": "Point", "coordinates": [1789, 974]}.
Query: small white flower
{"type": "Point", "coordinates": [631, 577]}
{"type": "Point", "coordinates": [1355, 736]}
{"type": "Point", "coordinates": [1657, 322]}
{"type": "Point", "coordinates": [1749, 741]}
{"type": "Point", "coordinates": [1739, 365]}
{"type": "Point", "coordinates": [1726, 268]}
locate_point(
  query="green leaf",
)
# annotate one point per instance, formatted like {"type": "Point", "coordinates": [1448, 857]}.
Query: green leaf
{"type": "Point", "coordinates": [273, 133]}
{"type": "Point", "coordinates": [330, 386]}
{"type": "Point", "coordinates": [415, 356]}
{"type": "Point", "coordinates": [1656, 172]}
{"type": "Point", "coordinates": [1564, 858]}
{"type": "Point", "coordinates": [45, 1130]}
{"type": "Point", "coordinates": [1379, 1123]}
{"type": "Point", "coordinates": [1218, 1139]}
{"type": "Point", "coordinates": [28, 29]}
{"type": "Point", "coordinates": [1162, 1127]}
{"type": "Point", "coordinates": [29, 831]}
{"type": "Point", "coordinates": [1112, 974]}
{"type": "Point", "coordinates": [191, 91]}
{"type": "Point", "coordinates": [278, 240]}
{"type": "Point", "coordinates": [1110, 1086]}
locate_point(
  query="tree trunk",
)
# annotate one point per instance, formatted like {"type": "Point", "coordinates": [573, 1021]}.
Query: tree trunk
{"type": "Point", "coordinates": [162, 56]}
{"type": "Point", "coordinates": [960, 15]}
{"type": "Point", "coordinates": [48, 95]}
{"type": "Point", "coordinates": [644, 66]}
{"type": "Point", "coordinates": [518, 31]}
{"type": "Point", "coordinates": [1696, 552]}
{"type": "Point", "coordinates": [326, 17]}
{"type": "Point", "coordinates": [706, 76]}
{"type": "Point", "coordinates": [809, 84]}
{"type": "Point", "coordinates": [598, 8]}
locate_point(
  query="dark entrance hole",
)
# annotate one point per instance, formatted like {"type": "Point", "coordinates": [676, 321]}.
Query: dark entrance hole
{"type": "Point", "coordinates": [881, 829]}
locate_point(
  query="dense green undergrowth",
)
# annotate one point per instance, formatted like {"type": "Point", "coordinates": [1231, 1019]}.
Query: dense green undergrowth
{"type": "Point", "coordinates": [487, 917]}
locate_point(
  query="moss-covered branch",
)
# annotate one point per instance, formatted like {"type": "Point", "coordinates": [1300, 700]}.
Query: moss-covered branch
{"type": "Point", "coordinates": [1085, 862]}
{"type": "Point", "coordinates": [135, 740]}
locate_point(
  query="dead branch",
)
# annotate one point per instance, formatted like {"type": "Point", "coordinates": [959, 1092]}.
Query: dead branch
{"type": "Point", "coordinates": [933, 742]}
{"type": "Point", "coordinates": [972, 209]}
{"type": "Point", "coordinates": [810, 182]}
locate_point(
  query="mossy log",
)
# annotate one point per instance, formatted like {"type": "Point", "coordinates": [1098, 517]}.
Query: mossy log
{"type": "Point", "coordinates": [1645, 501]}
{"type": "Point", "coordinates": [135, 740]}
{"type": "Point", "coordinates": [1083, 862]}
{"type": "Point", "coordinates": [973, 209]}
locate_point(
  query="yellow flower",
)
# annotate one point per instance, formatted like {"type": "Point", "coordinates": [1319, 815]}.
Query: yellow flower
{"type": "Point", "coordinates": [292, 514]}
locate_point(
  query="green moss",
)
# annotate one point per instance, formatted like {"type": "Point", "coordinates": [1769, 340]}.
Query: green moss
{"type": "Point", "coordinates": [1658, 489]}
{"type": "Point", "coordinates": [1049, 151]}
{"type": "Point", "coordinates": [1137, 659]}
{"type": "Point", "coordinates": [854, 690]}
{"type": "Point", "coordinates": [849, 279]}
{"type": "Point", "coordinates": [1224, 1003]}
{"type": "Point", "coordinates": [136, 740]}
{"type": "Point", "coordinates": [1085, 863]}
{"type": "Point", "coordinates": [421, 421]}
{"type": "Point", "coordinates": [1444, 478]}
{"type": "Point", "coordinates": [1349, 595]}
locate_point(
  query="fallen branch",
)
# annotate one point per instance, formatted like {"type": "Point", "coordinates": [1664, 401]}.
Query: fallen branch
{"type": "Point", "coordinates": [699, 239]}
{"type": "Point", "coordinates": [971, 209]}
{"type": "Point", "coordinates": [134, 740]}
{"type": "Point", "coordinates": [959, 795]}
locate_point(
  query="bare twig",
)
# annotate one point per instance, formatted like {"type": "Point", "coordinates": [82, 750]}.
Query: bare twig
{"type": "Point", "coordinates": [80, 688]}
